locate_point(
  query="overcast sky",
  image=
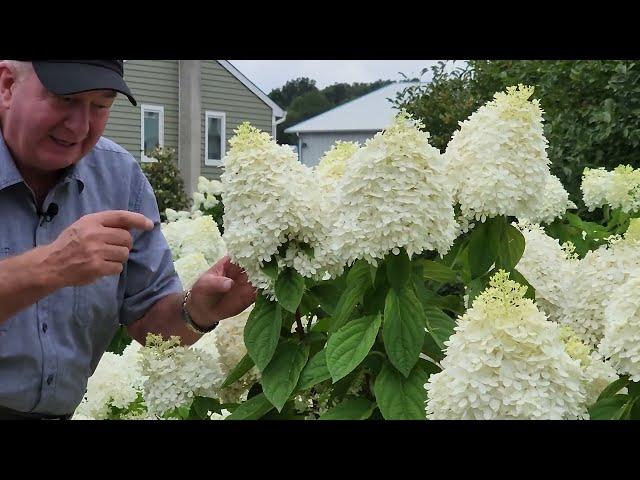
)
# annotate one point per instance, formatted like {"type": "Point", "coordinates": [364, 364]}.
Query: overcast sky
{"type": "Point", "coordinates": [270, 74]}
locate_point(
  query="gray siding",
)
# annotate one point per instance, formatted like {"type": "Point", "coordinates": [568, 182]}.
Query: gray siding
{"type": "Point", "coordinates": [152, 82]}
{"type": "Point", "coordinates": [313, 145]}
{"type": "Point", "coordinates": [222, 92]}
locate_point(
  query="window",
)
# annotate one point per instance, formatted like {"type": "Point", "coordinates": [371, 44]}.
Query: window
{"type": "Point", "coordinates": [215, 138]}
{"type": "Point", "coordinates": [152, 131]}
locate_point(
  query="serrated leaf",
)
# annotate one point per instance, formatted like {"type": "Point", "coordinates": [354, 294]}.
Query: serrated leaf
{"type": "Point", "coordinates": [401, 398]}
{"type": "Point", "coordinates": [440, 325]}
{"type": "Point", "coordinates": [243, 366]}
{"type": "Point", "coordinates": [484, 243]}
{"type": "Point", "coordinates": [253, 409]}
{"type": "Point", "coordinates": [610, 408]}
{"type": "Point", "coordinates": [289, 289]}
{"type": "Point", "coordinates": [511, 248]}
{"type": "Point", "coordinates": [350, 345]}
{"type": "Point", "coordinates": [403, 328]}
{"type": "Point", "coordinates": [314, 372]}
{"type": "Point", "coordinates": [350, 409]}
{"type": "Point", "coordinates": [281, 376]}
{"type": "Point", "coordinates": [358, 281]}
{"type": "Point", "coordinates": [262, 331]}
{"type": "Point", "coordinates": [614, 387]}
{"type": "Point", "coordinates": [431, 348]}
{"type": "Point", "coordinates": [438, 272]}
{"type": "Point", "coordinates": [398, 269]}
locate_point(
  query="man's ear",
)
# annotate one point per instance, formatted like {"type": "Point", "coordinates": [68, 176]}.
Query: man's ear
{"type": "Point", "coordinates": [7, 82]}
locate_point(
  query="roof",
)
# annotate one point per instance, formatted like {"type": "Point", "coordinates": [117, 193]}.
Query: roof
{"type": "Point", "coordinates": [370, 112]}
{"type": "Point", "coordinates": [277, 111]}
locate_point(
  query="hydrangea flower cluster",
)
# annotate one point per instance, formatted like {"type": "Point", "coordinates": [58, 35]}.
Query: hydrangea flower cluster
{"type": "Point", "coordinates": [499, 163]}
{"type": "Point", "coordinates": [548, 266]}
{"type": "Point", "coordinates": [596, 372]}
{"type": "Point", "coordinates": [619, 188]}
{"type": "Point", "coordinates": [394, 194]}
{"type": "Point", "coordinates": [590, 289]}
{"type": "Point", "coordinates": [175, 374]}
{"type": "Point", "coordinates": [273, 209]}
{"type": "Point", "coordinates": [553, 204]}
{"type": "Point", "coordinates": [621, 342]}
{"type": "Point", "coordinates": [505, 360]}
{"type": "Point", "coordinates": [331, 166]}
{"type": "Point", "coordinates": [207, 193]}
{"type": "Point", "coordinates": [200, 235]}
{"type": "Point", "coordinates": [226, 342]}
{"type": "Point", "coordinates": [115, 384]}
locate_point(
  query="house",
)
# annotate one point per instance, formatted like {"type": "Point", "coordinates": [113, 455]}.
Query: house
{"type": "Point", "coordinates": [354, 121]}
{"type": "Point", "coordinates": [192, 106]}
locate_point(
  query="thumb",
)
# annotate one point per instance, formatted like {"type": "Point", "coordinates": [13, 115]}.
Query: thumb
{"type": "Point", "coordinates": [213, 285]}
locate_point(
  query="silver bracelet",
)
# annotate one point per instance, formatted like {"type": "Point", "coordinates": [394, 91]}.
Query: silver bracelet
{"type": "Point", "coordinates": [191, 325]}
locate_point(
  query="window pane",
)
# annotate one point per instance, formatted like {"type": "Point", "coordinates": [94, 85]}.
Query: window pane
{"type": "Point", "coordinates": [213, 139]}
{"type": "Point", "coordinates": [151, 131]}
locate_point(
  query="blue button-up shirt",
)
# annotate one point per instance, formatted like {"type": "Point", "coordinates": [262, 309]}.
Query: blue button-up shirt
{"type": "Point", "coordinates": [50, 349]}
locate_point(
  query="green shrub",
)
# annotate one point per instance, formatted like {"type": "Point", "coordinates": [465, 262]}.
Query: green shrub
{"type": "Point", "coordinates": [166, 181]}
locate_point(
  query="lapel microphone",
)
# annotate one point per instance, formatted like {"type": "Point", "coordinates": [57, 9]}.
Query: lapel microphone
{"type": "Point", "coordinates": [52, 211]}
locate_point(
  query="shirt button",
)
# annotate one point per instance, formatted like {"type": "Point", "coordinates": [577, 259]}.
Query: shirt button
{"type": "Point", "coordinates": [44, 327]}
{"type": "Point", "coordinates": [49, 379]}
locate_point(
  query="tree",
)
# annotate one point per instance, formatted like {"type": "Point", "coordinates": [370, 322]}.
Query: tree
{"type": "Point", "coordinates": [592, 108]}
{"type": "Point", "coordinates": [302, 100]}
{"type": "Point", "coordinates": [306, 106]}
{"type": "Point", "coordinates": [291, 90]}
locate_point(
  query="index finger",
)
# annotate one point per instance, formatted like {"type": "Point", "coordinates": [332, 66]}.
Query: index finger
{"type": "Point", "coordinates": [124, 219]}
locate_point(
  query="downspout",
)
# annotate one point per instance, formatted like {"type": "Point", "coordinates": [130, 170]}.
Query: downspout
{"type": "Point", "coordinates": [278, 122]}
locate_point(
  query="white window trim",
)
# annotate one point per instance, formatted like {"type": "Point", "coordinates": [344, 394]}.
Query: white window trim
{"type": "Point", "coordinates": [150, 108]}
{"type": "Point", "coordinates": [223, 137]}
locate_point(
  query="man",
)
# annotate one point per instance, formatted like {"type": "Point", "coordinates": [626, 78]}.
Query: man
{"type": "Point", "coordinates": [81, 249]}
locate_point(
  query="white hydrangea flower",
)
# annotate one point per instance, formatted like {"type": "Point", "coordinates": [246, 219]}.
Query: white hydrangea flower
{"type": "Point", "coordinates": [205, 195]}
{"type": "Point", "coordinates": [190, 267]}
{"type": "Point", "coordinates": [499, 162]}
{"type": "Point", "coordinates": [331, 166]}
{"type": "Point", "coordinates": [393, 194]}
{"type": "Point", "coordinates": [201, 235]}
{"type": "Point", "coordinates": [226, 342]}
{"type": "Point", "coordinates": [548, 266]}
{"type": "Point", "coordinates": [272, 200]}
{"type": "Point", "coordinates": [505, 360]}
{"type": "Point", "coordinates": [619, 188]}
{"type": "Point", "coordinates": [116, 382]}
{"type": "Point", "coordinates": [588, 292]}
{"type": "Point", "coordinates": [621, 342]}
{"type": "Point", "coordinates": [210, 187]}
{"type": "Point", "coordinates": [194, 235]}
{"type": "Point", "coordinates": [173, 216]}
{"type": "Point", "coordinates": [553, 204]}
{"type": "Point", "coordinates": [597, 373]}
{"type": "Point", "coordinates": [175, 374]}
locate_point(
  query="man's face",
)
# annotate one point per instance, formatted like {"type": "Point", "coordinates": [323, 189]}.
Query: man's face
{"type": "Point", "coordinates": [48, 132]}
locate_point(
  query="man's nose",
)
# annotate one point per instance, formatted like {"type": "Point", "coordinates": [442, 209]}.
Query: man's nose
{"type": "Point", "coordinates": [78, 121]}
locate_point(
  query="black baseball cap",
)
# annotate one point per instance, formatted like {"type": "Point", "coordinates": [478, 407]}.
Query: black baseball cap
{"type": "Point", "coordinates": [66, 77]}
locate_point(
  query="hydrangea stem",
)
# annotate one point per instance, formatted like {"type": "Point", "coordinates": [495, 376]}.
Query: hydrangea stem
{"type": "Point", "coordinates": [299, 327]}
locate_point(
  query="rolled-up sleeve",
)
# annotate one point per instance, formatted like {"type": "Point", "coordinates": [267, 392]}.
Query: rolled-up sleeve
{"type": "Point", "coordinates": [150, 274]}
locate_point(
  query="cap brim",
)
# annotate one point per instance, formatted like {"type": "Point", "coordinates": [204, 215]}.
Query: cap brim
{"type": "Point", "coordinates": [69, 78]}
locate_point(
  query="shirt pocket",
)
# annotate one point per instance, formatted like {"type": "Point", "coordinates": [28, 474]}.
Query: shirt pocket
{"type": "Point", "coordinates": [97, 304]}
